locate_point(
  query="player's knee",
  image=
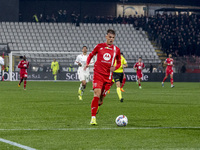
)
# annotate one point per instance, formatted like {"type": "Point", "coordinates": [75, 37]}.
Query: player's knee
{"type": "Point", "coordinates": [84, 83]}
{"type": "Point", "coordinates": [97, 93]}
{"type": "Point", "coordinates": [118, 84]}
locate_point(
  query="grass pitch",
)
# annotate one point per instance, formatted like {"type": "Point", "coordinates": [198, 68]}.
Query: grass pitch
{"type": "Point", "coordinates": [49, 116]}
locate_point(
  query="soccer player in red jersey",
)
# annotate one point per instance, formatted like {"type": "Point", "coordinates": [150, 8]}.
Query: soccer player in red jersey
{"type": "Point", "coordinates": [169, 70]}
{"type": "Point", "coordinates": [103, 70]}
{"type": "Point", "coordinates": [23, 65]}
{"type": "Point", "coordinates": [139, 66]}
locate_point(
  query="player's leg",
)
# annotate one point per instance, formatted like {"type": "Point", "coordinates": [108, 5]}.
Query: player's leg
{"type": "Point", "coordinates": [123, 82]}
{"type": "Point", "coordinates": [111, 85]}
{"type": "Point", "coordinates": [166, 75]}
{"type": "Point", "coordinates": [81, 89]}
{"type": "Point", "coordinates": [25, 83]}
{"type": "Point", "coordinates": [172, 80]}
{"type": "Point", "coordinates": [98, 82]}
{"type": "Point", "coordinates": [106, 87]}
{"type": "Point", "coordinates": [95, 105]}
{"type": "Point", "coordinates": [21, 79]}
{"type": "Point", "coordinates": [139, 82]}
{"type": "Point", "coordinates": [119, 92]}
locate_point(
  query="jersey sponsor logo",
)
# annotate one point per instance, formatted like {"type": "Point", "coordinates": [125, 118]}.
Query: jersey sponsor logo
{"type": "Point", "coordinates": [108, 48]}
{"type": "Point", "coordinates": [106, 56]}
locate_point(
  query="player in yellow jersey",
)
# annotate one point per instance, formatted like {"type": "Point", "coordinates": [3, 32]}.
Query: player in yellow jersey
{"type": "Point", "coordinates": [118, 76]}
{"type": "Point", "coordinates": [55, 68]}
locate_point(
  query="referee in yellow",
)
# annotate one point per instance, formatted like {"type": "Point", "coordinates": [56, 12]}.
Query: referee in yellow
{"type": "Point", "coordinates": [118, 76]}
{"type": "Point", "coordinates": [55, 68]}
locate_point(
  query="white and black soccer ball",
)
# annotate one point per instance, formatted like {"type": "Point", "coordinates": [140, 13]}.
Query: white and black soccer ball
{"type": "Point", "coordinates": [121, 121]}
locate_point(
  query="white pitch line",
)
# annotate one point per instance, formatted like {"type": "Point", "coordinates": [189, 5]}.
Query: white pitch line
{"type": "Point", "coordinates": [16, 144]}
{"type": "Point", "coordinates": [85, 129]}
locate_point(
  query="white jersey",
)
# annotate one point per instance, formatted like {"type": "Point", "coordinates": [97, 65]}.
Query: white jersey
{"type": "Point", "coordinates": [1, 62]}
{"type": "Point", "coordinates": [82, 74]}
{"type": "Point", "coordinates": [82, 60]}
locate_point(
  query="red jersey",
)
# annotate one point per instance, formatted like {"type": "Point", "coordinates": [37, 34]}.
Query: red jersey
{"type": "Point", "coordinates": [169, 62]}
{"type": "Point", "coordinates": [23, 65]}
{"type": "Point", "coordinates": [106, 56]}
{"type": "Point", "coordinates": [139, 66]}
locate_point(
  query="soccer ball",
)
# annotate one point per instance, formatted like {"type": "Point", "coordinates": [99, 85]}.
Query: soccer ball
{"type": "Point", "coordinates": [121, 121]}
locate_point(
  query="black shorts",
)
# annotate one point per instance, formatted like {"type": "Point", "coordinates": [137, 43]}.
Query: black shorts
{"type": "Point", "coordinates": [118, 77]}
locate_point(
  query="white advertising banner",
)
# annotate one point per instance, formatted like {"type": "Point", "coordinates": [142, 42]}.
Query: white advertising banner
{"type": "Point", "coordinates": [130, 10]}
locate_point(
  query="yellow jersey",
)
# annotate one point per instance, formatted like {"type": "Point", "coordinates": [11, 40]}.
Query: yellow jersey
{"type": "Point", "coordinates": [55, 66]}
{"type": "Point", "coordinates": [123, 62]}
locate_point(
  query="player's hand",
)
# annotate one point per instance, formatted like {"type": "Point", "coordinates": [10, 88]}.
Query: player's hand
{"type": "Point", "coordinates": [112, 68]}
{"type": "Point", "coordinates": [86, 66]}
{"type": "Point", "coordinates": [80, 64]}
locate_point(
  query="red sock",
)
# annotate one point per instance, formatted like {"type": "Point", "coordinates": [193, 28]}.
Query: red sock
{"type": "Point", "coordinates": [172, 80]}
{"type": "Point", "coordinates": [24, 84]}
{"type": "Point", "coordinates": [123, 82]}
{"type": "Point", "coordinates": [139, 84]}
{"type": "Point", "coordinates": [94, 105]}
{"type": "Point", "coordinates": [164, 79]}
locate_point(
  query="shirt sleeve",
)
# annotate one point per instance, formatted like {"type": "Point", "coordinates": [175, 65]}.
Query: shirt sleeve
{"type": "Point", "coordinates": [1, 61]}
{"type": "Point", "coordinates": [92, 54]}
{"type": "Point", "coordinates": [135, 66]}
{"type": "Point", "coordinates": [143, 65]}
{"type": "Point", "coordinates": [125, 62]}
{"type": "Point", "coordinates": [20, 65]}
{"type": "Point", "coordinates": [27, 64]}
{"type": "Point", "coordinates": [77, 60]}
{"type": "Point", "coordinates": [118, 59]}
{"type": "Point", "coordinates": [58, 66]}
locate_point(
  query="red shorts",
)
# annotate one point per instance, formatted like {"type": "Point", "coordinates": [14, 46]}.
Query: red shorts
{"type": "Point", "coordinates": [169, 72]}
{"type": "Point", "coordinates": [139, 75]}
{"type": "Point", "coordinates": [23, 75]}
{"type": "Point", "coordinates": [100, 82]}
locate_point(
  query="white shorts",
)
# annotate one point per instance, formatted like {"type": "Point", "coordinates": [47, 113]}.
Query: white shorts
{"type": "Point", "coordinates": [83, 76]}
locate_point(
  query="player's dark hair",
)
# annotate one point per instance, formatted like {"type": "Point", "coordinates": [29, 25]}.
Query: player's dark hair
{"type": "Point", "coordinates": [111, 31]}
{"type": "Point", "coordinates": [24, 58]}
{"type": "Point", "coordinates": [121, 53]}
{"type": "Point", "coordinates": [84, 46]}
{"type": "Point", "coordinates": [140, 57]}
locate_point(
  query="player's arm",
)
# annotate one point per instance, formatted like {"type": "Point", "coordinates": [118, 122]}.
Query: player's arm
{"type": "Point", "coordinates": [135, 67]}
{"type": "Point", "coordinates": [20, 65]}
{"type": "Point", "coordinates": [1, 61]}
{"type": "Point", "coordinates": [90, 56]}
{"type": "Point", "coordinates": [125, 65]}
{"type": "Point", "coordinates": [51, 65]}
{"type": "Point", "coordinates": [77, 61]}
{"type": "Point", "coordinates": [28, 65]}
{"type": "Point", "coordinates": [143, 66]}
{"type": "Point", "coordinates": [118, 60]}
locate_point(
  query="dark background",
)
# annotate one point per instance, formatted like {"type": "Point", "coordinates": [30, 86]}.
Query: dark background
{"type": "Point", "coordinates": [9, 10]}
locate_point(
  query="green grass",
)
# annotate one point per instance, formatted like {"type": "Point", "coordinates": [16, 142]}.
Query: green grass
{"type": "Point", "coordinates": [47, 107]}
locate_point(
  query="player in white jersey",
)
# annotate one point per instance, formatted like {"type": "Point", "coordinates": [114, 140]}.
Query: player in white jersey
{"type": "Point", "coordinates": [83, 75]}
{"type": "Point", "coordinates": [1, 62]}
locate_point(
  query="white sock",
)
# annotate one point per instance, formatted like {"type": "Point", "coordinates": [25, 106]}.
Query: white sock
{"type": "Point", "coordinates": [93, 117]}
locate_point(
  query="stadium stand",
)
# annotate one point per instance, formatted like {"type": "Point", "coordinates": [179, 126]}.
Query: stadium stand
{"type": "Point", "coordinates": [66, 37]}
